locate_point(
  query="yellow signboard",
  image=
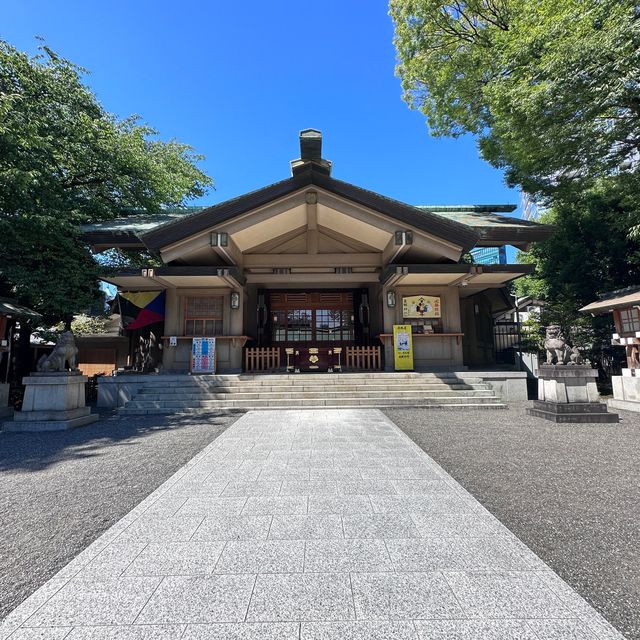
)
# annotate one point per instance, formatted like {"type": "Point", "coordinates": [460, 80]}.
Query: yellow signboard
{"type": "Point", "coordinates": [421, 307]}
{"type": "Point", "coordinates": [402, 347]}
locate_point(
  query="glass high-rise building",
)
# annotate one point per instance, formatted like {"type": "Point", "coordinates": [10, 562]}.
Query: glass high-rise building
{"type": "Point", "coordinates": [490, 255]}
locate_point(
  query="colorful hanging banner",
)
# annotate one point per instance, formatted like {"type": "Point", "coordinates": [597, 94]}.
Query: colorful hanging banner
{"type": "Point", "coordinates": [141, 308]}
{"type": "Point", "coordinates": [402, 347]}
{"type": "Point", "coordinates": [421, 307]}
{"type": "Point", "coordinates": [203, 355]}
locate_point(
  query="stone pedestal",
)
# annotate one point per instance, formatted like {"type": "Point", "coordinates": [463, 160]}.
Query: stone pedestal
{"type": "Point", "coordinates": [626, 391]}
{"type": "Point", "coordinates": [568, 393]}
{"type": "Point", "coordinates": [52, 402]}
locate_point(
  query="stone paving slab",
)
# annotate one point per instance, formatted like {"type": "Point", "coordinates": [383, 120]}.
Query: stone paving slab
{"type": "Point", "coordinates": [308, 525]}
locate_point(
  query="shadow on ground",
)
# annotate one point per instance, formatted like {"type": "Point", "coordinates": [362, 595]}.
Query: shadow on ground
{"type": "Point", "coordinates": [59, 491]}
{"type": "Point", "coordinates": [36, 451]}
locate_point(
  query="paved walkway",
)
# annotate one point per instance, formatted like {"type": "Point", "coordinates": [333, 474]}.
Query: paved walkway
{"type": "Point", "coordinates": [310, 525]}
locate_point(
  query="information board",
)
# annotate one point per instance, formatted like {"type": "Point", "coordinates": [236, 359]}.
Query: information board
{"type": "Point", "coordinates": [402, 347]}
{"type": "Point", "coordinates": [203, 355]}
{"type": "Point", "coordinates": [421, 307]}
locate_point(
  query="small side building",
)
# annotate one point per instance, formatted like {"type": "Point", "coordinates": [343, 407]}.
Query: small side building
{"type": "Point", "coordinates": [10, 314]}
{"type": "Point", "coordinates": [102, 353]}
{"type": "Point", "coordinates": [624, 305]}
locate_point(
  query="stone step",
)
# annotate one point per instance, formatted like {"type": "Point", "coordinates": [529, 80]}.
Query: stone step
{"type": "Point", "coordinates": [304, 402]}
{"type": "Point", "coordinates": [207, 394]}
{"type": "Point", "coordinates": [304, 378]}
{"type": "Point", "coordinates": [293, 395]}
{"type": "Point", "coordinates": [318, 384]}
{"type": "Point", "coordinates": [573, 418]}
{"type": "Point", "coordinates": [573, 407]}
{"type": "Point", "coordinates": [222, 409]}
{"type": "Point", "coordinates": [300, 393]}
{"type": "Point", "coordinates": [152, 394]}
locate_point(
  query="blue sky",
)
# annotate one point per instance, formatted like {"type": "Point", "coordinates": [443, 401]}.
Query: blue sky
{"type": "Point", "coordinates": [239, 80]}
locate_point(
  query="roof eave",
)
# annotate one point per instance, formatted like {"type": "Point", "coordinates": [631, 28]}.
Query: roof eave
{"type": "Point", "coordinates": [600, 308]}
{"type": "Point", "coordinates": [168, 271]}
{"type": "Point", "coordinates": [459, 268]}
{"type": "Point", "coordinates": [521, 237]}
{"type": "Point", "coordinates": [102, 240]}
{"type": "Point", "coordinates": [476, 208]}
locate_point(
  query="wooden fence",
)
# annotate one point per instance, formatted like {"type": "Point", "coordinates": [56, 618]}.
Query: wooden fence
{"type": "Point", "coordinates": [364, 358]}
{"type": "Point", "coordinates": [261, 359]}
{"type": "Point", "coordinates": [268, 358]}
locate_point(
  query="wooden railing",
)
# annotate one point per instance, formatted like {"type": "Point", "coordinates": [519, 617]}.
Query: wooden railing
{"type": "Point", "coordinates": [365, 358]}
{"type": "Point", "coordinates": [357, 358]}
{"type": "Point", "coordinates": [261, 359]}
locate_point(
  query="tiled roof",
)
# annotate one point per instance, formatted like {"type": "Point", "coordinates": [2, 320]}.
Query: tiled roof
{"type": "Point", "coordinates": [456, 232]}
{"type": "Point", "coordinates": [479, 217]}
{"type": "Point", "coordinates": [143, 222]}
{"type": "Point", "coordinates": [9, 307]}
{"type": "Point", "coordinates": [140, 222]}
{"type": "Point", "coordinates": [484, 220]}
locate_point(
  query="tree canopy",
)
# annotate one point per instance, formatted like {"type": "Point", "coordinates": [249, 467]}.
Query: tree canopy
{"type": "Point", "coordinates": [65, 161]}
{"type": "Point", "coordinates": [580, 261]}
{"type": "Point", "coordinates": [550, 88]}
{"type": "Point", "coordinates": [590, 253]}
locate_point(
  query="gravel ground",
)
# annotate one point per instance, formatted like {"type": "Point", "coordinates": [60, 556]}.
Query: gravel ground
{"type": "Point", "coordinates": [570, 492]}
{"type": "Point", "coordinates": [60, 491]}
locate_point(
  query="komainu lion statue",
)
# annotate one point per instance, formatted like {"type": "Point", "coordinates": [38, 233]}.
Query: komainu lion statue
{"type": "Point", "coordinates": [64, 352]}
{"type": "Point", "coordinates": [558, 351]}
{"type": "Point", "coordinates": [575, 357]}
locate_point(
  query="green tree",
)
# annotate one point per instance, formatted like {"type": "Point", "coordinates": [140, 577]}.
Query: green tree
{"type": "Point", "coordinates": [65, 161]}
{"type": "Point", "coordinates": [81, 325]}
{"type": "Point", "coordinates": [590, 253]}
{"type": "Point", "coordinates": [550, 88]}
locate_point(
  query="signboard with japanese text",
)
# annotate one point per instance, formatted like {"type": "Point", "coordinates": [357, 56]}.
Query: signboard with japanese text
{"type": "Point", "coordinates": [402, 347]}
{"type": "Point", "coordinates": [203, 355]}
{"type": "Point", "coordinates": [421, 307]}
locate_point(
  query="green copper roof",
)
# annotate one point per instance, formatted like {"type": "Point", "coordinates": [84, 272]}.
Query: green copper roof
{"type": "Point", "coordinates": [483, 216]}
{"type": "Point", "coordinates": [474, 208]}
{"type": "Point", "coordinates": [141, 222]}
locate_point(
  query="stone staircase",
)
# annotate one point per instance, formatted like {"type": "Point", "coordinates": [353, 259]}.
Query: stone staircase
{"type": "Point", "coordinates": [201, 394]}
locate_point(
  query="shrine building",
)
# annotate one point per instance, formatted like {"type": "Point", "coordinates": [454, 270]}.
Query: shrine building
{"type": "Point", "coordinates": [312, 265]}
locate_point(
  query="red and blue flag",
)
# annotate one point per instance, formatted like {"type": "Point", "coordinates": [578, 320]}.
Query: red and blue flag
{"type": "Point", "coordinates": [141, 308]}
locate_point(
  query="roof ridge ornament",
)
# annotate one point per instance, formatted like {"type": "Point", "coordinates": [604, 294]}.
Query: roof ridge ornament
{"type": "Point", "coordinates": [310, 154]}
